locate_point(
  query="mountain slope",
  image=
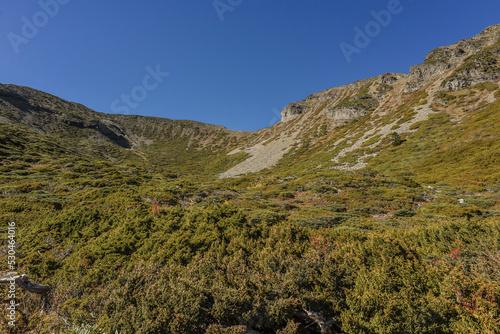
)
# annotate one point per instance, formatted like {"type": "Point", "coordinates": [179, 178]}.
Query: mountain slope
{"type": "Point", "coordinates": [343, 127]}
{"type": "Point", "coordinates": [164, 143]}
{"type": "Point", "coordinates": [351, 124]}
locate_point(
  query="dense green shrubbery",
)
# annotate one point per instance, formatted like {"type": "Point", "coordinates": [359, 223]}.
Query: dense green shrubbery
{"type": "Point", "coordinates": [163, 255]}
{"type": "Point", "coordinates": [86, 329]}
{"type": "Point", "coordinates": [404, 213]}
{"type": "Point", "coordinates": [488, 85]}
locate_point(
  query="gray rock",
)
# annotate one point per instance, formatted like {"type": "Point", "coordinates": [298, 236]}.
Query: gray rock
{"type": "Point", "coordinates": [293, 110]}
{"type": "Point", "coordinates": [413, 86]}
{"type": "Point", "coordinates": [388, 78]}
{"type": "Point", "coordinates": [427, 71]}
{"type": "Point", "coordinates": [468, 57]}
{"type": "Point", "coordinates": [342, 115]}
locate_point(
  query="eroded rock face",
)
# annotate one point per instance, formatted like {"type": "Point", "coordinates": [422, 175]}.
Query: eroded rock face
{"type": "Point", "coordinates": [428, 71]}
{"type": "Point", "coordinates": [388, 78]}
{"type": "Point", "coordinates": [474, 60]}
{"type": "Point", "coordinates": [293, 110]}
{"type": "Point", "coordinates": [423, 73]}
{"type": "Point", "coordinates": [345, 115]}
{"type": "Point", "coordinates": [413, 86]}
{"type": "Point", "coordinates": [478, 68]}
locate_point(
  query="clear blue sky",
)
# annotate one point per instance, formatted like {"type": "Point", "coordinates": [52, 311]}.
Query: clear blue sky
{"type": "Point", "coordinates": [235, 72]}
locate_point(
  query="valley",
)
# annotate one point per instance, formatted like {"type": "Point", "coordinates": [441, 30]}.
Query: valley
{"type": "Point", "coordinates": [372, 207]}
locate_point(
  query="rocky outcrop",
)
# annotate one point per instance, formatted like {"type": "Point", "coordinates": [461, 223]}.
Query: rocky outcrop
{"type": "Point", "coordinates": [485, 66]}
{"type": "Point", "coordinates": [344, 115]}
{"type": "Point", "coordinates": [474, 59]}
{"type": "Point", "coordinates": [389, 78]}
{"type": "Point", "coordinates": [429, 70]}
{"type": "Point", "coordinates": [293, 110]}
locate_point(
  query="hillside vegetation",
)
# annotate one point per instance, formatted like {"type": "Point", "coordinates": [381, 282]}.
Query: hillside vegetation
{"type": "Point", "coordinates": [381, 213]}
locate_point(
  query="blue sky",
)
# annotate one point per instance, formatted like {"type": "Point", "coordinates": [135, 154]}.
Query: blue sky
{"type": "Point", "coordinates": [236, 65]}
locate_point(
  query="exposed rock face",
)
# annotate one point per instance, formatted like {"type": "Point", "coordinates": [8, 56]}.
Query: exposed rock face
{"type": "Point", "coordinates": [344, 115]}
{"type": "Point", "coordinates": [457, 83]}
{"type": "Point", "coordinates": [413, 86]}
{"type": "Point", "coordinates": [465, 64]}
{"type": "Point", "coordinates": [474, 59]}
{"type": "Point", "coordinates": [293, 110]}
{"type": "Point", "coordinates": [49, 114]}
{"type": "Point", "coordinates": [389, 78]}
{"type": "Point", "coordinates": [479, 68]}
{"type": "Point", "coordinates": [428, 70]}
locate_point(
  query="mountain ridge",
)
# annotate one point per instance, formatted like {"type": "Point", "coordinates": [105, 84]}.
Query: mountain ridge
{"type": "Point", "coordinates": [389, 103]}
{"type": "Point", "coordinates": [109, 136]}
{"type": "Point", "coordinates": [445, 69]}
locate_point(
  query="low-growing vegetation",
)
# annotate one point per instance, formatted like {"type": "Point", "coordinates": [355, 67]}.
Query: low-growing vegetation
{"type": "Point", "coordinates": [128, 248]}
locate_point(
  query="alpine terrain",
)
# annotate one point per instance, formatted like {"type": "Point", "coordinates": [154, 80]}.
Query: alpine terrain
{"type": "Point", "coordinates": [372, 207]}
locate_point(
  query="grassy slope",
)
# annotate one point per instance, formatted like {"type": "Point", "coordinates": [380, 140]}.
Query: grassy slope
{"type": "Point", "coordinates": [144, 251]}
{"type": "Point", "coordinates": [444, 150]}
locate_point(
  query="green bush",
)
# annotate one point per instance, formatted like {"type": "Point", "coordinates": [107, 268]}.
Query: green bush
{"type": "Point", "coordinates": [396, 139]}
{"type": "Point", "coordinates": [286, 195]}
{"type": "Point", "coordinates": [266, 216]}
{"type": "Point", "coordinates": [450, 210]}
{"type": "Point", "coordinates": [404, 213]}
{"type": "Point", "coordinates": [321, 222]}
{"type": "Point", "coordinates": [335, 208]}
{"type": "Point", "coordinates": [486, 85]}
{"type": "Point", "coordinates": [446, 98]}
{"type": "Point", "coordinates": [324, 189]}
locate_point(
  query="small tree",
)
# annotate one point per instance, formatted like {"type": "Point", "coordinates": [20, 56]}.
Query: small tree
{"type": "Point", "coordinates": [396, 139]}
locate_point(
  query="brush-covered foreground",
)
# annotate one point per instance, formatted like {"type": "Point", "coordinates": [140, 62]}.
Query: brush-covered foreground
{"type": "Point", "coordinates": [133, 248]}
